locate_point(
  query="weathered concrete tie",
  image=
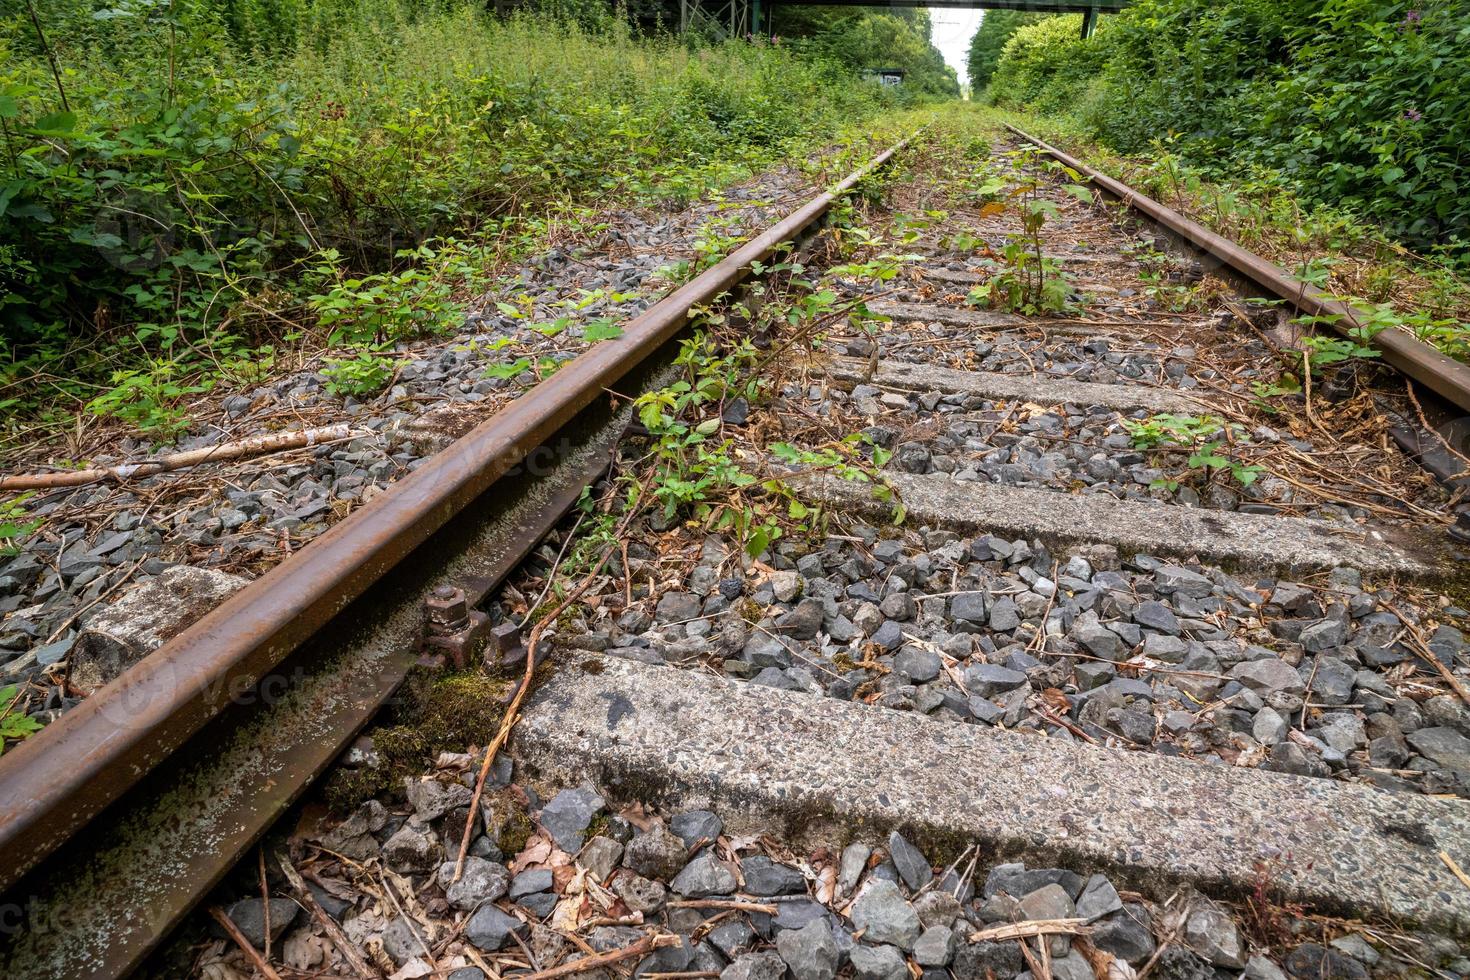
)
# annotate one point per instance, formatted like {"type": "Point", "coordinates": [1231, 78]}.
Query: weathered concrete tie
{"type": "Point", "coordinates": [1260, 542]}
{"type": "Point", "coordinates": [822, 770]}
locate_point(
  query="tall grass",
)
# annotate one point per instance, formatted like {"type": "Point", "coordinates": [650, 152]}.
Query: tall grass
{"type": "Point", "coordinates": [193, 158]}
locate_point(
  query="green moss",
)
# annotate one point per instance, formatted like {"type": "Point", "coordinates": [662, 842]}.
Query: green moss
{"type": "Point", "coordinates": [432, 713]}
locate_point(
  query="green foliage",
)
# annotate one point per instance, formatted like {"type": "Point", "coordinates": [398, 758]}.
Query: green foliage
{"type": "Point", "coordinates": [148, 398]}
{"type": "Point", "coordinates": [1363, 105]}
{"type": "Point", "coordinates": [382, 308]}
{"type": "Point", "coordinates": [254, 166]}
{"type": "Point", "coordinates": [699, 475]}
{"type": "Point", "coordinates": [1046, 64]}
{"type": "Point", "coordinates": [1026, 280]}
{"type": "Point", "coordinates": [360, 376]}
{"type": "Point", "coordinates": [996, 28]}
{"type": "Point", "coordinates": [1201, 435]}
{"type": "Point", "coordinates": [1167, 429]}
{"type": "Point", "coordinates": [15, 523]}
{"type": "Point", "coordinates": [14, 725]}
{"type": "Point", "coordinates": [865, 38]}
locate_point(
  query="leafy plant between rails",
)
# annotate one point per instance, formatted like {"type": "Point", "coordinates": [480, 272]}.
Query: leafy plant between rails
{"type": "Point", "coordinates": [14, 525]}
{"type": "Point", "coordinates": [1028, 281]}
{"type": "Point", "coordinates": [15, 725]}
{"type": "Point", "coordinates": [1202, 435]}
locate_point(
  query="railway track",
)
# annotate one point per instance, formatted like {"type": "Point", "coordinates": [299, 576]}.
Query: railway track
{"type": "Point", "coordinates": [1060, 571]}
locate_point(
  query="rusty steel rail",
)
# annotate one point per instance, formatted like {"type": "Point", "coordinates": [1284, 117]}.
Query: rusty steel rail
{"type": "Point", "coordinates": [52, 784]}
{"type": "Point", "coordinates": [1436, 371]}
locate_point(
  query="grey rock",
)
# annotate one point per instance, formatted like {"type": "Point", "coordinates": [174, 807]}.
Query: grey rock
{"type": "Point", "coordinates": [640, 894]}
{"type": "Point", "coordinates": [1260, 968]}
{"type": "Point", "coordinates": [935, 946]}
{"type": "Point", "coordinates": [431, 798]}
{"type": "Point", "coordinates": [1290, 757]}
{"type": "Point", "coordinates": [655, 853]}
{"type": "Point", "coordinates": [1072, 966]}
{"type": "Point", "coordinates": [403, 940]}
{"type": "Point", "coordinates": [912, 866]}
{"type": "Point", "coordinates": [937, 907]}
{"type": "Point", "coordinates": [785, 585]}
{"type": "Point", "coordinates": [1269, 727]}
{"type": "Point", "coordinates": [467, 973]}
{"type": "Point", "coordinates": [850, 868]}
{"type": "Point", "coordinates": [796, 912]}
{"type": "Point", "coordinates": [1267, 677]}
{"type": "Point", "coordinates": [489, 929]}
{"type": "Point", "coordinates": [985, 680]}
{"type": "Point", "coordinates": [568, 815]}
{"type": "Point", "coordinates": [884, 916]}
{"type": "Point", "coordinates": [1017, 881]}
{"type": "Point", "coordinates": [143, 619]}
{"type": "Point", "coordinates": [1128, 934]}
{"type": "Point", "coordinates": [1004, 615]}
{"type": "Point", "coordinates": [696, 826]}
{"type": "Point", "coordinates": [733, 937]}
{"type": "Point", "coordinates": [1444, 746]}
{"type": "Point", "coordinates": [530, 882]}
{"type": "Point", "coordinates": [1155, 615]}
{"type": "Point", "coordinates": [968, 606]}
{"type": "Point", "coordinates": [1179, 580]}
{"type": "Point", "coordinates": [411, 851]}
{"type": "Point", "coordinates": [1050, 902]}
{"type": "Point", "coordinates": [248, 915]}
{"type": "Point", "coordinates": [888, 636]}
{"type": "Point", "coordinates": [704, 877]}
{"type": "Point", "coordinates": [481, 881]}
{"type": "Point", "coordinates": [920, 665]}
{"type": "Point", "coordinates": [1311, 961]}
{"type": "Point", "coordinates": [803, 622]}
{"type": "Point", "coordinates": [1354, 945]}
{"type": "Point", "coordinates": [876, 963]}
{"type": "Point", "coordinates": [1099, 898]}
{"type": "Point", "coordinates": [1211, 932]}
{"type": "Point", "coordinates": [810, 953]}
{"type": "Point", "coordinates": [1324, 635]}
{"type": "Point", "coordinates": [1098, 639]}
{"type": "Point", "coordinates": [764, 878]}
{"type": "Point", "coordinates": [755, 966]}
{"type": "Point", "coordinates": [984, 960]}
{"type": "Point", "coordinates": [600, 857]}
{"type": "Point", "coordinates": [677, 607]}
{"type": "Point", "coordinates": [1333, 681]}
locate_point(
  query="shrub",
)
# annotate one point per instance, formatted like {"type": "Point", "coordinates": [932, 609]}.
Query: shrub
{"type": "Point", "coordinates": [1359, 104]}
{"type": "Point", "coordinates": [186, 161]}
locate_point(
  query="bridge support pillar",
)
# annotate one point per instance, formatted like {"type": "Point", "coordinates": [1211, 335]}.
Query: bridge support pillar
{"type": "Point", "coordinates": [1089, 22]}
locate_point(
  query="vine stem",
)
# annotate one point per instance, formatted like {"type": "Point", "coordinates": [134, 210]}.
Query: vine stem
{"type": "Point", "coordinates": [50, 57]}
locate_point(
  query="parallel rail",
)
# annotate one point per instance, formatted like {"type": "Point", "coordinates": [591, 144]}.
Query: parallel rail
{"type": "Point", "coordinates": [173, 777]}
{"type": "Point", "coordinates": [336, 625]}
{"type": "Point", "coordinates": [1415, 359]}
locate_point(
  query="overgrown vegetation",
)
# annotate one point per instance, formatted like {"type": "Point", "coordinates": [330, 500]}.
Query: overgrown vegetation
{"type": "Point", "coordinates": [198, 189]}
{"type": "Point", "coordinates": [996, 28]}
{"type": "Point", "coordinates": [1363, 105]}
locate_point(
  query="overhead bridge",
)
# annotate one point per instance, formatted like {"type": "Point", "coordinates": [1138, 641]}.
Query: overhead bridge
{"type": "Point", "coordinates": [739, 18]}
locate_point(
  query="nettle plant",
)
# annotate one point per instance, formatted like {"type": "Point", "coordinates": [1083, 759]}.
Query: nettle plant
{"type": "Point", "coordinates": [1202, 436]}
{"type": "Point", "coordinates": [1027, 281]}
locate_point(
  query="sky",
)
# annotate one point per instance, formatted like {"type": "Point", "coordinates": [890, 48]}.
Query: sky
{"type": "Point", "coordinates": [952, 32]}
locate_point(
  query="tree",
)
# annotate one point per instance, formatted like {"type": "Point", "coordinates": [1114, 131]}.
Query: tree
{"type": "Point", "coordinates": [863, 37]}
{"type": "Point", "coordinates": [996, 28]}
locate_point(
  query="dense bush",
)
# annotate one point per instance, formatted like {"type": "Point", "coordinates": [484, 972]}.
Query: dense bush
{"type": "Point", "coordinates": [1363, 104]}
{"type": "Point", "coordinates": [167, 182]}
{"type": "Point", "coordinates": [866, 38]}
{"type": "Point", "coordinates": [1046, 64]}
